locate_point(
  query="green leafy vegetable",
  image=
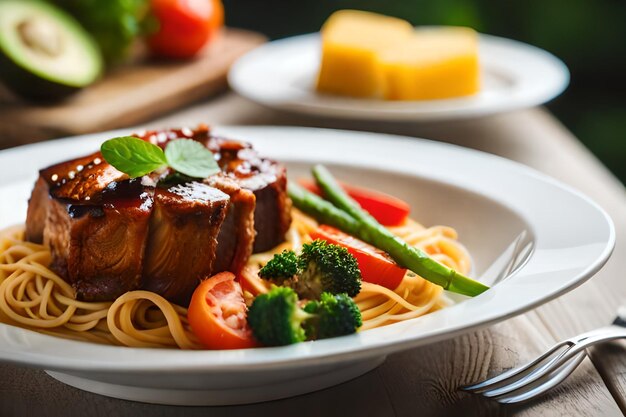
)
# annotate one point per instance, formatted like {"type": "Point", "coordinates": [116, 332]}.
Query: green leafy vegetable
{"type": "Point", "coordinates": [133, 156]}
{"type": "Point", "coordinates": [325, 267]}
{"type": "Point", "coordinates": [321, 267]}
{"type": "Point", "coordinates": [191, 158]}
{"type": "Point", "coordinates": [283, 266]}
{"type": "Point", "coordinates": [137, 157]}
{"type": "Point", "coordinates": [335, 315]}
{"type": "Point", "coordinates": [276, 319]}
{"type": "Point", "coordinates": [114, 24]}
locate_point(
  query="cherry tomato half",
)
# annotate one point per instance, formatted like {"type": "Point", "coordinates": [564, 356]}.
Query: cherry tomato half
{"type": "Point", "coordinates": [375, 265]}
{"type": "Point", "coordinates": [217, 314]}
{"type": "Point", "coordinates": [386, 209]}
{"type": "Point", "coordinates": [185, 26]}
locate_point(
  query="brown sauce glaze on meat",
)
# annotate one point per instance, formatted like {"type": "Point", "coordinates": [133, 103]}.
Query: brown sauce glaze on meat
{"type": "Point", "coordinates": [237, 234]}
{"type": "Point", "coordinates": [78, 179]}
{"type": "Point", "coordinates": [266, 179]}
{"type": "Point", "coordinates": [240, 162]}
{"type": "Point", "coordinates": [81, 179]}
{"type": "Point", "coordinates": [95, 222]}
{"type": "Point", "coordinates": [272, 214]}
{"type": "Point", "coordinates": [183, 239]}
{"type": "Point", "coordinates": [98, 245]}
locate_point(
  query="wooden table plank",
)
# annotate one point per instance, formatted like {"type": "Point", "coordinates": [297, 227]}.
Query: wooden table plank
{"type": "Point", "coordinates": [610, 361]}
{"type": "Point", "coordinates": [420, 381]}
{"type": "Point", "coordinates": [425, 380]}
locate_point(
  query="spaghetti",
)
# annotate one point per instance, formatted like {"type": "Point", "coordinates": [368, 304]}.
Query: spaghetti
{"type": "Point", "coordinates": [33, 296]}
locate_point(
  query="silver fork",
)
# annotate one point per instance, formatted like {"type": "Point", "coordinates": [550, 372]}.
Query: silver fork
{"type": "Point", "coordinates": [550, 369]}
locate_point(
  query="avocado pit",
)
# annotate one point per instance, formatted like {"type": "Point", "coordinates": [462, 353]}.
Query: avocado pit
{"type": "Point", "coordinates": [41, 36]}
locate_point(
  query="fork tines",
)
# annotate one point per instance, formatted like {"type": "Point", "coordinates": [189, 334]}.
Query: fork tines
{"type": "Point", "coordinates": [530, 380]}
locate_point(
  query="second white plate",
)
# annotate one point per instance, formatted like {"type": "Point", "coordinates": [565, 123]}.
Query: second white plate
{"type": "Point", "coordinates": [281, 74]}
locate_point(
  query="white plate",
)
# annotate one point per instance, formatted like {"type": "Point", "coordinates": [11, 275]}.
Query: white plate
{"type": "Point", "coordinates": [281, 74]}
{"type": "Point", "coordinates": [510, 217]}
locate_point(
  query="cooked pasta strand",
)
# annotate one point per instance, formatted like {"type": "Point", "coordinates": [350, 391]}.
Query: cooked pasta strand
{"type": "Point", "coordinates": [35, 297]}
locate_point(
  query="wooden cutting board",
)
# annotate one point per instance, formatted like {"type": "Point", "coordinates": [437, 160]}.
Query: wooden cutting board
{"type": "Point", "coordinates": [128, 95]}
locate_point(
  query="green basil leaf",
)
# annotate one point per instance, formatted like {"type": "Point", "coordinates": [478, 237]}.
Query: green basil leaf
{"type": "Point", "coordinates": [191, 158]}
{"type": "Point", "coordinates": [133, 156]}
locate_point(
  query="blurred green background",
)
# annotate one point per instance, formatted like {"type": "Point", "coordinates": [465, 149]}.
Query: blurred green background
{"type": "Point", "coordinates": [590, 36]}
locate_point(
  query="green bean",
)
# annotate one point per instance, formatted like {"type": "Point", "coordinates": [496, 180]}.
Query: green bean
{"type": "Point", "coordinates": [345, 214]}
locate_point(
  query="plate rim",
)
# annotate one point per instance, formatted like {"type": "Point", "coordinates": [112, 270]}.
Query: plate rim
{"type": "Point", "coordinates": [203, 361]}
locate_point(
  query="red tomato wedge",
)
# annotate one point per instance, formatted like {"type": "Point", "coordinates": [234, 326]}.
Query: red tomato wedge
{"type": "Point", "coordinates": [375, 265]}
{"type": "Point", "coordinates": [217, 314]}
{"type": "Point", "coordinates": [386, 209]}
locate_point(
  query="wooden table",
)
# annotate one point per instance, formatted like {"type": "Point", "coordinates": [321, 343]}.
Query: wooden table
{"type": "Point", "coordinates": [424, 381]}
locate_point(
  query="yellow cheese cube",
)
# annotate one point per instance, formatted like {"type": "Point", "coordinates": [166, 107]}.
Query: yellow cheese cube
{"type": "Point", "coordinates": [435, 63]}
{"type": "Point", "coordinates": [352, 42]}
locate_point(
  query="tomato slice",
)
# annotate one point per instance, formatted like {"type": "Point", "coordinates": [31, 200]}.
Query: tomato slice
{"type": "Point", "coordinates": [217, 314]}
{"type": "Point", "coordinates": [376, 266]}
{"type": "Point", "coordinates": [386, 209]}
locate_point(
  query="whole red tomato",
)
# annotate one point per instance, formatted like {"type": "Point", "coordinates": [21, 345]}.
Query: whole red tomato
{"type": "Point", "coordinates": [185, 26]}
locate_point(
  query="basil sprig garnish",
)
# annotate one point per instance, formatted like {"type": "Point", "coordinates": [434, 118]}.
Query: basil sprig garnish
{"type": "Point", "coordinates": [191, 158]}
{"type": "Point", "coordinates": [136, 157]}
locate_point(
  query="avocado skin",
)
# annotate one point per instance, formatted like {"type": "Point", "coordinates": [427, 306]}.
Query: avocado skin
{"type": "Point", "coordinates": [32, 78]}
{"type": "Point", "coordinates": [30, 86]}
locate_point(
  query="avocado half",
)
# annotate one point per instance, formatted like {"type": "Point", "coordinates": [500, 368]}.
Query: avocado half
{"type": "Point", "coordinates": [44, 53]}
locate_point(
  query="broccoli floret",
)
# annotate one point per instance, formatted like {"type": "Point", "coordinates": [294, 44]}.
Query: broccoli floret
{"type": "Point", "coordinates": [325, 267]}
{"type": "Point", "coordinates": [333, 315]}
{"type": "Point", "coordinates": [283, 266]}
{"type": "Point", "coordinates": [276, 319]}
{"type": "Point", "coordinates": [321, 267]}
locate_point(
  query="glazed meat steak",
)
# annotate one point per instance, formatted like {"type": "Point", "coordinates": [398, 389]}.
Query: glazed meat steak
{"type": "Point", "coordinates": [237, 234]}
{"type": "Point", "coordinates": [95, 221]}
{"type": "Point", "coordinates": [272, 214]}
{"type": "Point", "coordinates": [182, 241]}
{"type": "Point", "coordinates": [109, 234]}
{"type": "Point", "coordinates": [76, 180]}
{"type": "Point", "coordinates": [99, 248]}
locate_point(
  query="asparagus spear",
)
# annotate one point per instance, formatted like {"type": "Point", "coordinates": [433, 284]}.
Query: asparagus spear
{"type": "Point", "coordinates": [351, 218]}
{"type": "Point", "coordinates": [321, 209]}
